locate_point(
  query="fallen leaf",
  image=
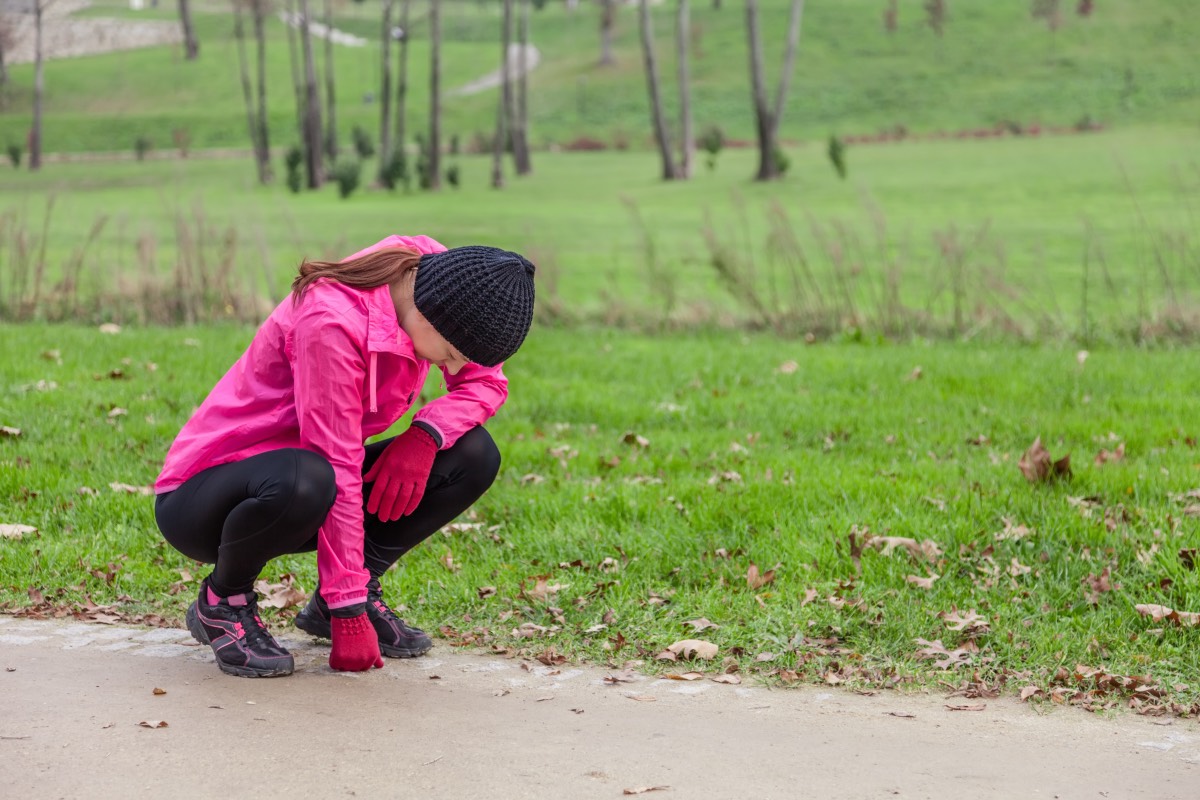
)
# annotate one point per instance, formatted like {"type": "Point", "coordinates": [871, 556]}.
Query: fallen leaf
{"type": "Point", "coordinates": [111, 328]}
{"type": "Point", "coordinates": [153, 723]}
{"type": "Point", "coordinates": [531, 478]}
{"type": "Point", "coordinates": [979, 707]}
{"type": "Point", "coordinates": [10, 531]}
{"type": "Point", "coordinates": [733, 680]}
{"type": "Point", "coordinates": [686, 676]}
{"type": "Point", "coordinates": [928, 549]}
{"type": "Point", "coordinates": [284, 594]}
{"type": "Point", "coordinates": [901, 714]}
{"type": "Point", "coordinates": [159, 691]}
{"type": "Point", "coordinates": [485, 592]}
{"type": "Point", "coordinates": [125, 487]}
{"type": "Point", "coordinates": [634, 439]}
{"type": "Point", "coordinates": [969, 623]}
{"type": "Point", "coordinates": [7, 431]}
{"type": "Point", "coordinates": [943, 658]}
{"type": "Point", "coordinates": [701, 624]}
{"type": "Point", "coordinates": [755, 580]}
{"type": "Point", "coordinates": [642, 698]}
{"type": "Point", "coordinates": [644, 789]}
{"type": "Point", "coordinates": [809, 596]}
{"type": "Point", "coordinates": [922, 583]}
{"type": "Point", "coordinates": [787, 368]}
{"type": "Point", "coordinates": [624, 676]}
{"type": "Point", "coordinates": [1031, 691]}
{"type": "Point", "coordinates": [694, 648]}
{"type": "Point", "coordinates": [1186, 619]}
{"type": "Point", "coordinates": [1037, 465]}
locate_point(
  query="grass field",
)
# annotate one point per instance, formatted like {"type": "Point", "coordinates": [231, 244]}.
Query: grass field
{"type": "Point", "coordinates": [1091, 235]}
{"type": "Point", "coordinates": [753, 452]}
{"type": "Point", "coordinates": [1132, 61]}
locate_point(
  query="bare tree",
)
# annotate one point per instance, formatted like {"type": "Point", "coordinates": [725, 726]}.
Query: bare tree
{"type": "Point", "coordinates": [331, 137]}
{"type": "Point", "coordinates": [255, 107]}
{"type": "Point", "coordinates": [767, 118]}
{"type": "Point", "coordinates": [39, 87]}
{"type": "Point", "coordinates": [260, 9]}
{"type": "Point", "coordinates": [504, 110]}
{"type": "Point", "coordinates": [608, 24]}
{"type": "Point", "coordinates": [191, 45]}
{"type": "Point", "coordinates": [687, 145]}
{"type": "Point", "coordinates": [385, 87]}
{"type": "Point", "coordinates": [656, 111]}
{"type": "Point", "coordinates": [312, 105]}
{"type": "Point", "coordinates": [402, 76]}
{"type": "Point", "coordinates": [935, 16]}
{"type": "Point", "coordinates": [520, 132]}
{"type": "Point", "coordinates": [297, 69]}
{"type": "Point", "coordinates": [434, 153]}
{"type": "Point", "coordinates": [5, 44]}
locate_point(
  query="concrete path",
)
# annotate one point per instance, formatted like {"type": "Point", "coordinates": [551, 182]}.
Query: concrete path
{"type": "Point", "coordinates": [458, 724]}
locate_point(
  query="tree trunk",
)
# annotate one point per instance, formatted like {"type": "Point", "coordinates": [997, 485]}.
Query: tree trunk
{"type": "Point", "coordinates": [687, 144]}
{"type": "Point", "coordinates": [767, 168]}
{"type": "Point", "coordinates": [504, 111]}
{"type": "Point", "coordinates": [331, 136]}
{"type": "Point", "coordinates": [608, 23]}
{"type": "Point", "coordinates": [385, 87]}
{"type": "Point", "coordinates": [297, 72]}
{"type": "Point", "coordinates": [656, 112]}
{"type": "Point", "coordinates": [264, 134]}
{"type": "Point", "coordinates": [434, 153]}
{"type": "Point", "coordinates": [39, 87]}
{"type": "Point", "coordinates": [247, 93]}
{"type": "Point", "coordinates": [312, 105]}
{"type": "Point", "coordinates": [191, 46]}
{"type": "Point", "coordinates": [3, 42]}
{"type": "Point", "coordinates": [402, 77]}
{"type": "Point", "coordinates": [521, 131]}
{"type": "Point", "coordinates": [789, 66]}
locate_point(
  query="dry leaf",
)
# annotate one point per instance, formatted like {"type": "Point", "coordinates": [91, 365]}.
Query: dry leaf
{"type": "Point", "coordinates": [922, 583]}
{"type": "Point", "coordinates": [733, 680]}
{"type": "Point", "coordinates": [624, 676]}
{"type": "Point", "coordinates": [694, 648]}
{"type": "Point", "coordinates": [701, 624]}
{"type": "Point", "coordinates": [787, 368]}
{"type": "Point", "coordinates": [158, 691]}
{"type": "Point", "coordinates": [284, 594]}
{"type": "Point", "coordinates": [644, 789]}
{"type": "Point", "coordinates": [979, 707]}
{"type": "Point", "coordinates": [969, 623]}
{"type": "Point", "coordinates": [901, 714]}
{"type": "Point", "coordinates": [1186, 619]}
{"type": "Point", "coordinates": [686, 676]}
{"type": "Point", "coordinates": [153, 723]}
{"type": "Point", "coordinates": [11, 531]}
{"type": "Point", "coordinates": [485, 592]}
{"type": "Point", "coordinates": [1031, 691]}
{"type": "Point", "coordinates": [125, 487]}
{"type": "Point", "coordinates": [637, 441]}
{"type": "Point", "coordinates": [642, 698]}
{"type": "Point", "coordinates": [1037, 465]}
{"type": "Point", "coordinates": [5, 430]}
{"type": "Point", "coordinates": [944, 659]}
{"type": "Point", "coordinates": [1105, 456]}
{"type": "Point", "coordinates": [755, 580]}
{"type": "Point", "coordinates": [928, 549]}
{"type": "Point", "coordinates": [110, 328]}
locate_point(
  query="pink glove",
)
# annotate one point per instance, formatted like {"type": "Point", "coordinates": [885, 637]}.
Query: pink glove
{"type": "Point", "coordinates": [400, 474]}
{"type": "Point", "coordinates": [355, 644]}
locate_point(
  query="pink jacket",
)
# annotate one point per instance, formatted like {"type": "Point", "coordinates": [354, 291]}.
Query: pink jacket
{"type": "Point", "coordinates": [325, 375]}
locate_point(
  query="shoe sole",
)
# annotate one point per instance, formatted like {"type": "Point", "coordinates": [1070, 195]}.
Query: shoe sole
{"type": "Point", "coordinates": [318, 629]}
{"type": "Point", "coordinates": [200, 635]}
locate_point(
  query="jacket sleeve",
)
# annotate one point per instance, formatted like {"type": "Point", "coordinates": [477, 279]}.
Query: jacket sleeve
{"type": "Point", "coordinates": [329, 372]}
{"type": "Point", "coordinates": [474, 395]}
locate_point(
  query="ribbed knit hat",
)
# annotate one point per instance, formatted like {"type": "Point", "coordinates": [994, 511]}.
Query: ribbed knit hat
{"type": "Point", "coordinates": [480, 299]}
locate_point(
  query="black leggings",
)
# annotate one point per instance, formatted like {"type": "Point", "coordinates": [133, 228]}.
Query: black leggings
{"type": "Point", "coordinates": [239, 516]}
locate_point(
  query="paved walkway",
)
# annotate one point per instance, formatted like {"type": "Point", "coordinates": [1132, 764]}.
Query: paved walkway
{"type": "Point", "coordinates": [458, 724]}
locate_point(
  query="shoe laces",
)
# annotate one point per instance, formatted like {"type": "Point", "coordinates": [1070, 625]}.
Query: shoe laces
{"type": "Point", "coordinates": [256, 633]}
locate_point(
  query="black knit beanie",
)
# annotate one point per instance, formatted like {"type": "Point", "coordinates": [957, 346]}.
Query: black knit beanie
{"type": "Point", "coordinates": [480, 299]}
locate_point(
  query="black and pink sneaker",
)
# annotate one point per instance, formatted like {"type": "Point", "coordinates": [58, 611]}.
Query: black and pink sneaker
{"type": "Point", "coordinates": [239, 639]}
{"type": "Point", "coordinates": [397, 639]}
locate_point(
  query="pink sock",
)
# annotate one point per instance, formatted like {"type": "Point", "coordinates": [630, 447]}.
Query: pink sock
{"type": "Point", "coordinates": [233, 599]}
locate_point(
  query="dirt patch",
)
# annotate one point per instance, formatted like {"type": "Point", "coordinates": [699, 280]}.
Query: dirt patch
{"type": "Point", "coordinates": [64, 36]}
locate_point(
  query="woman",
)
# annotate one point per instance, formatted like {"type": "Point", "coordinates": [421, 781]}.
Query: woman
{"type": "Point", "coordinates": [274, 461]}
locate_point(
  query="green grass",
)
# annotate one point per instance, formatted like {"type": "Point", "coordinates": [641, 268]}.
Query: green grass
{"type": "Point", "coordinates": [1090, 235]}
{"type": "Point", "coordinates": [1131, 62]}
{"type": "Point", "coordinates": [848, 439]}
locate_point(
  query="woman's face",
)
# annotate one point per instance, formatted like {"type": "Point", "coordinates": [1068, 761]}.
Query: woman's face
{"type": "Point", "coordinates": [429, 344]}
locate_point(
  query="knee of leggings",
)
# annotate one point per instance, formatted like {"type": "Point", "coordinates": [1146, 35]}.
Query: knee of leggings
{"type": "Point", "coordinates": [316, 485]}
{"type": "Point", "coordinates": [480, 450]}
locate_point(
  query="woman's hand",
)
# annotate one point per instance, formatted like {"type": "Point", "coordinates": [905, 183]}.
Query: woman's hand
{"type": "Point", "coordinates": [400, 474]}
{"type": "Point", "coordinates": [355, 644]}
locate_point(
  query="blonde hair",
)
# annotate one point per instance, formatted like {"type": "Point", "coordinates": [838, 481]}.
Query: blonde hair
{"type": "Point", "coordinates": [365, 272]}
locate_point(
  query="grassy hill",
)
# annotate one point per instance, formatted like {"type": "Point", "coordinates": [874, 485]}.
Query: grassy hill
{"type": "Point", "coordinates": [1131, 61]}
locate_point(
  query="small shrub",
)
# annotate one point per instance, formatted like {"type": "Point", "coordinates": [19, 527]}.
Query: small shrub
{"type": "Point", "coordinates": [141, 146]}
{"type": "Point", "coordinates": [362, 142]}
{"type": "Point", "coordinates": [712, 140]}
{"type": "Point", "coordinates": [837, 156]}
{"type": "Point", "coordinates": [452, 175]}
{"type": "Point", "coordinates": [782, 162]}
{"type": "Point", "coordinates": [292, 161]}
{"type": "Point", "coordinates": [423, 167]}
{"type": "Point", "coordinates": [347, 171]}
{"type": "Point", "coordinates": [395, 169]}
{"type": "Point", "coordinates": [14, 154]}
